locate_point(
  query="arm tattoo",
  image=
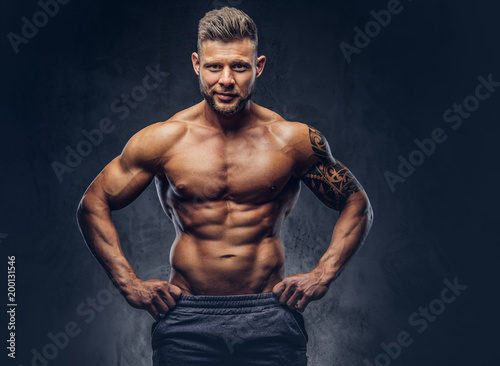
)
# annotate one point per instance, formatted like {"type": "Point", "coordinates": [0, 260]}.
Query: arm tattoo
{"type": "Point", "coordinates": [331, 181]}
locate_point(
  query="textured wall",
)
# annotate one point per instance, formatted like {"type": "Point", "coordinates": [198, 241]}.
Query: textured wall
{"type": "Point", "coordinates": [437, 225]}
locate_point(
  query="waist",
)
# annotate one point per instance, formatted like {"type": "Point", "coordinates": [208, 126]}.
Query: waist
{"type": "Point", "coordinates": [234, 304]}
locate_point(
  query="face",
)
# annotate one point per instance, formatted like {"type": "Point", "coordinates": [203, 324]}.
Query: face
{"type": "Point", "coordinates": [227, 72]}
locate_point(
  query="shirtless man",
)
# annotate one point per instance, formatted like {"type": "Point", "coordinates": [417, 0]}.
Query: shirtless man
{"type": "Point", "coordinates": [227, 173]}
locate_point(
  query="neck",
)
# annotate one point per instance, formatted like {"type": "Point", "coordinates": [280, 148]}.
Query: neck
{"type": "Point", "coordinates": [228, 123]}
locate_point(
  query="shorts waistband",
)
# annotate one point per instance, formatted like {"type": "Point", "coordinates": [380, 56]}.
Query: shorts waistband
{"type": "Point", "coordinates": [237, 303]}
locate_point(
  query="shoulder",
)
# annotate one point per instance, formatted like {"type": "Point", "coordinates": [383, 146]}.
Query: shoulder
{"type": "Point", "coordinates": [304, 138]}
{"type": "Point", "coordinates": [157, 137]}
{"type": "Point", "coordinates": [160, 136]}
{"type": "Point", "coordinates": [150, 146]}
{"type": "Point", "coordinates": [306, 144]}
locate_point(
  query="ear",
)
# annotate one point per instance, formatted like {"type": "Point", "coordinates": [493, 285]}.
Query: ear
{"type": "Point", "coordinates": [195, 59]}
{"type": "Point", "coordinates": [261, 61]}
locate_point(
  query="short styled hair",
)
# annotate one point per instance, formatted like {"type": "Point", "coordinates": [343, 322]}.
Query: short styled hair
{"type": "Point", "coordinates": [226, 25]}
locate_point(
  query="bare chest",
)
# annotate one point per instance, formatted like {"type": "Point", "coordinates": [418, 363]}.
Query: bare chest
{"type": "Point", "coordinates": [252, 168]}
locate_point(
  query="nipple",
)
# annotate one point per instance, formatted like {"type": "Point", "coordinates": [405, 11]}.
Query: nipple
{"type": "Point", "coordinates": [180, 187]}
{"type": "Point", "coordinates": [273, 188]}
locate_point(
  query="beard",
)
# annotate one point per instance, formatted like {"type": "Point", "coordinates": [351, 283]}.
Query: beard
{"type": "Point", "coordinates": [229, 109]}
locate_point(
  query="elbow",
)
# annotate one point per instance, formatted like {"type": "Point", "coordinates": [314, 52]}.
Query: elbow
{"type": "Point", "coordinates": [369, 214]}
{"type": "Point", "coordinates": [82, 209]}
{"type": "Point", "coordinates": [366, 208]}
{"type": "Point", "coordinates": [362, 207]}
{"type": "Point", "coordinates": [89, 205]}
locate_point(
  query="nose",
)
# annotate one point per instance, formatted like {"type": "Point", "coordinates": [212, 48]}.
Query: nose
{"type": "Point", "coordinates": [226, 77]}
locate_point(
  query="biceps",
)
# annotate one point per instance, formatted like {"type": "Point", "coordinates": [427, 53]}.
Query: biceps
{"type": "Point", "coordinates": [118, 186]}
{"type": "Point", "coordinates": [331, 182]}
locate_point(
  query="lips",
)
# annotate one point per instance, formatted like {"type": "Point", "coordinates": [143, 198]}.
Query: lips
{"type": "Point", "coordinates": [226, 97]}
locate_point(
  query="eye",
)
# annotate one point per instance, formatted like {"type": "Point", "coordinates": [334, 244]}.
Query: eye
{"type": "Point", "coordinates": [239, 67]}
{"type": "Point", "coordinates": [213, 67]}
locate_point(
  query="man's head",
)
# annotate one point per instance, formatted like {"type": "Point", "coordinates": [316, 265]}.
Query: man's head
{"type": "Point", "coordinates": [227, 62]}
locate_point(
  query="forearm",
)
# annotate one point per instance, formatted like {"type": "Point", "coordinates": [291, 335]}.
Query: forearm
{"type": "Point", "coordinates": [99, 232]}
{"type": "Point", "coordinates": [349, 233]}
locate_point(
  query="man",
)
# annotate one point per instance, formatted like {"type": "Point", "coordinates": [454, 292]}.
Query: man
{"type": "Point", "coordinates": [227, 173]}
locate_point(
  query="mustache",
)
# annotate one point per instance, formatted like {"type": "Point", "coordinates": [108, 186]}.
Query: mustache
{"type": "Point", "coordinates": [230, 92]}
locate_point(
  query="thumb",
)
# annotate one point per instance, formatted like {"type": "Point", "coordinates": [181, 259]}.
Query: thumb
{"type": "Point", "coordinates": [279, 288]}
{"type": "Point", "coordinates": [175, 291]}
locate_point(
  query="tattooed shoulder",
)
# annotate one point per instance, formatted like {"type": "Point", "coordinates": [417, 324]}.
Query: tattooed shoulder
{"type": "Point", "coordinates": [318, 142]}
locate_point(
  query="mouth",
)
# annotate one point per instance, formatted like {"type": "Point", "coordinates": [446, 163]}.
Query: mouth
{"type": "Point", "coordinates": [226, 97]}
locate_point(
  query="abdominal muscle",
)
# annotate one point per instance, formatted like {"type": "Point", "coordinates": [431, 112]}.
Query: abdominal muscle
{"type": "Point", "coordinates": [223, 248]}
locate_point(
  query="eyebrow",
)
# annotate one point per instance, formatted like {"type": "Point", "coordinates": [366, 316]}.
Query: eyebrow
{"type": "Point", "coordinates": [237, 61]}
{"type": "Point", "coordinates": [243, 62]}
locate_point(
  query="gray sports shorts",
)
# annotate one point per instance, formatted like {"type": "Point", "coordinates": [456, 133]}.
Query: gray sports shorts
{"type": "Point", "coordinates": [230, 330]}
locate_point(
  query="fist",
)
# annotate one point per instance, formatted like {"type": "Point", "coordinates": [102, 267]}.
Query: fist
{"type": "Point", "coordinates": [155, 296]}
{"type": "Point", "coordinates": [299, 290]}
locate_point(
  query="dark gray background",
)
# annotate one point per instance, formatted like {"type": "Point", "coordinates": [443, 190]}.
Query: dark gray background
{"type": "Point", "coordinates": [439, 224]}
